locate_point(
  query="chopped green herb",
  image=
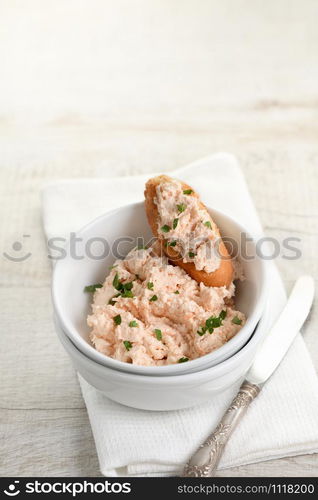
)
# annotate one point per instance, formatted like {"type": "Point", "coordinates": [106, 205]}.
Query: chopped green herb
{"type": "Point", "coordinates": [208, 224]}
{"type": "Point", "coordinates": [150, 285]}
{"type": "Point", "coordinates": [116, 283]}
{"type": "Point", "coordinates": [111, 301]}
{"type": "Point", "coordinates": [127, 344]}
{"type": "Point", "coordinates": [172, 243]}
{"type": "Point", "coordinates": [117, 319]}
{"type": "Point", "coordinates": [128, 286]}
{"type": "Point", "coordinates": [236, 321]}
{"type": "Point", "coordinates": [183, 360]}
{"type": "Point", "coordinates": [211, 323]}
{"type": "Point", "coordinates": [133, 324]}
{"type": "Point", "coordinates": [202, 331]}
{"type": "Point", "coordinates": [158, 334]}
{"type": "Point", "coordinates": [187, 191]}
{"type": "Point", "coordinates": [181, 208]}
{"type": "Point", "coordinates": [177, 292]}
{"type": "Point", "coordinates": [222, 314]}
{"type": "Point", "coordinates": [175, 223]}
{"type": "Point", "coordinates": [191, 255]}
{"type": "Point", "coordinates": [165, 228]}
{"type": "Point", "coordinates": [123, 288]}
{"type": "Point", "coordinates": [153, 298]}
{"type": "Point", "coordinates": [92, 288]}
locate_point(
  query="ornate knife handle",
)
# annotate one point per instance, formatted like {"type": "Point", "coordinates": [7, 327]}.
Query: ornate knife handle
{"type": "Point", "coordinates": [204, 462]}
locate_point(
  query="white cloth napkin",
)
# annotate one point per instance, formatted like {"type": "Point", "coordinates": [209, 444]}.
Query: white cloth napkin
{"type": "Point", "coordinates": [283, 421]}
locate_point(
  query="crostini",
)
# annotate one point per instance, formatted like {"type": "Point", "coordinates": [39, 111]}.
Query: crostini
{"type": "Point", "coordinates": [186, 231]}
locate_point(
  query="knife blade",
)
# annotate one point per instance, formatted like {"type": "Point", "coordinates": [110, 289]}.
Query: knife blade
{"type": "Point", "coordinates": [276, 344]}
{"type": "Point", "coordinates": [283, 332]}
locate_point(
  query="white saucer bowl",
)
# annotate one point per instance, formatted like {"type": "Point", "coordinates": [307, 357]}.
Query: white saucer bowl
{"type": "Point", "coordinates": [73, 272]}
{"type": "Point", "coordinates": [170, 392]}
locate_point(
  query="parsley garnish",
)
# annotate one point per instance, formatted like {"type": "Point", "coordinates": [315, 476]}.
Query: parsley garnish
{"type": "Point", "coordinates": [133, 324]}
{"type": "Point", "coordinates": [92, 288]}
{"type": "Point", "coordinates": [165, 228]}
{"type": "Point", "coordinates": [187, 191]}
{"type": "Point", "coordinates": [117, 319]}
{"type": "Point", "coordinates": [127, 344]}
{"type": "Point", "coordinates": [202, 330]}
{"type": "Point", "coordinates": [181, 208]}
{"type": "Point", "coordinates": [236, 321]}
{"type": "Point", "coordinates": [175, 223]}
{"type": "Point", "coordinates": [183, 360]}
{"type": "Point", "coordinates": [150, 285]}
{"type": "Point", "coordinates": [153, 298]}
{"type": "Point", "coordinates": [191, 255]}
{"type": "Point", "coordinates": [211, 323]}
{"type": "Point", "coordinates": [177, 292]}
{"type": "Point", "coordinates": [208, 224]}
{"type": "Point", "coordinates": [111, 301]}
{"type": "Point", "coordinates": [123, 288]}
{"type": "Point", "coordinates": [158, 334]}
{"type": "Point", "coordinates": [116, 282]}
{"type": "Point", "coordinates": [222, 314]}
{"type": "Point", "coordinates": [172, 243]}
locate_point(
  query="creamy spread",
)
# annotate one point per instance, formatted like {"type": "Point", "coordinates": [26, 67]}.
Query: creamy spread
{"type": "Point", "coordinates": [187, 226]}
{"type": "Point", "coordinates": [149, 312]}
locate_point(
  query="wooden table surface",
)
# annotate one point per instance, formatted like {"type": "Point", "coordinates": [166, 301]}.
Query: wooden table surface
{"type": "Point", "coordinates": [100, 88]}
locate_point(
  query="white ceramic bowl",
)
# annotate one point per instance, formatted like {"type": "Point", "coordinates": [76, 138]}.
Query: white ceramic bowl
{"type": "Point", "coordinates": [171, 392]}
{"type": "Point", "coordinates": [72, 273]}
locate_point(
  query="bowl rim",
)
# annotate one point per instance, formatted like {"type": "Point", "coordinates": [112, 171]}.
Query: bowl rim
{"type": "Point", "coordinates": [173, 369]}
{"type": "Point", "coordinates": [216, 371]}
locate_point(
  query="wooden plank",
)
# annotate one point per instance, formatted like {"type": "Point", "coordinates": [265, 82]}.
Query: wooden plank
{"type": "Point", "coordinates": [35, 370]}
{"type": "Point", "coordinates": [60, 443]}
{"type": "Point", "coordinates": [47, 443]}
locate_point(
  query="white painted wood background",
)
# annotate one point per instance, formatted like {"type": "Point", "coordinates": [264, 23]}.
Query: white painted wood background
{"type": "Point", "coordinates": [101, 88]}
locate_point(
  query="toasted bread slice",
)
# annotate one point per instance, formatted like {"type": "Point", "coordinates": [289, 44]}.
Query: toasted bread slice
{"type": "Point", "coordinates": [222, 276]}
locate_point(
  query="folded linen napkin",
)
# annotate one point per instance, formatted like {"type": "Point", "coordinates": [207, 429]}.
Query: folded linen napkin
{"type": "Point", "coordinates": [283, 419]}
